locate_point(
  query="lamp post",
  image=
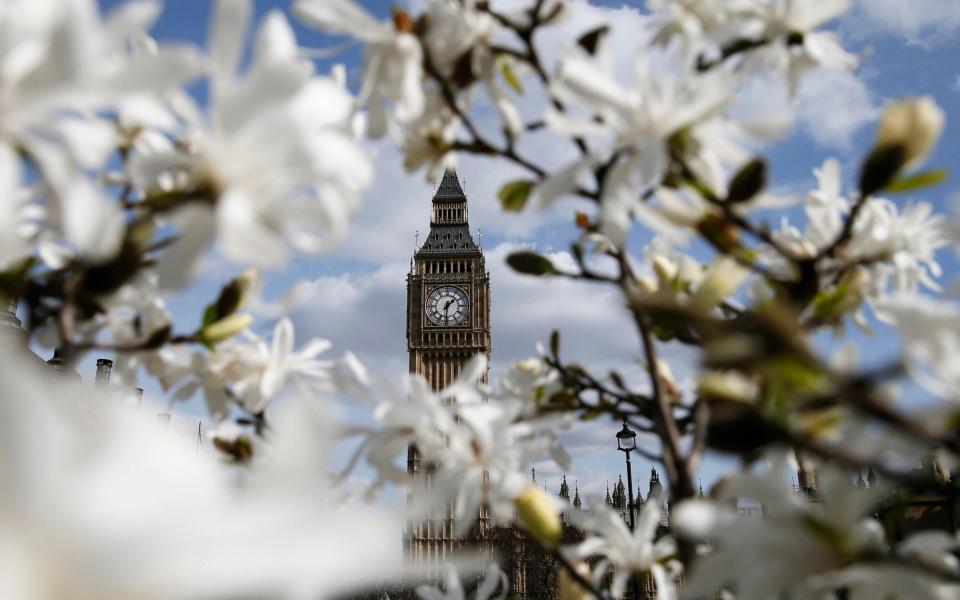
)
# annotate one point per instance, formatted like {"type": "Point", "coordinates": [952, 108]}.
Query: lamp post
{"type": "Point", "coordinates": [627, 442]}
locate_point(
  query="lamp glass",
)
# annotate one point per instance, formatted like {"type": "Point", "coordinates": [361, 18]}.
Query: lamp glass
{"type": "Point", "coordinates": [626, 438]}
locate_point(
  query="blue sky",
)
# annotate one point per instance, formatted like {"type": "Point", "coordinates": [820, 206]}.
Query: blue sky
{"type": "Point", "coordinates": [357, 292]}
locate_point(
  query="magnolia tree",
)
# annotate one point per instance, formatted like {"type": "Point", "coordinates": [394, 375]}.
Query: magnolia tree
{"type": "Point", "coordinates": [115, 182]}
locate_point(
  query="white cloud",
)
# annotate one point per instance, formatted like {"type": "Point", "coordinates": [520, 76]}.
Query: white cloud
{"type": "Point", "coordinates": [922, 22]}
{"type": "Point", "coordinates": [830, 106]}
{"type": "Point", "coordinates": [833, 105]}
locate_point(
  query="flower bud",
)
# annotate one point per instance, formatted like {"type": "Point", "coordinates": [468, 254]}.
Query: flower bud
{"type": "Point", "coordinates": [727, 385]}
{"type": "Point", "coordinates": [667, 382]}
{"type": "Point", "coordinates": [569, 588]}
{"type": "Point", "coordinates": [645, 285]}
{"type": "Point", "coordinates": [721, 279]}
{"type": "Point", "coordinates": [536, 511]}
{"type": "Point", "coordinates": [665, 268]}
{"type": "Point", "coordinates": [914, 125]}
{"type": "Point", "coordinates": [225, 328]}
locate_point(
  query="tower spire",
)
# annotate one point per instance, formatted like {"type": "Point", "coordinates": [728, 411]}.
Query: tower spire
{"type": "Point", "coordinates": [655, 486]}
{"type": "Point", "coordinates": [449, 188]}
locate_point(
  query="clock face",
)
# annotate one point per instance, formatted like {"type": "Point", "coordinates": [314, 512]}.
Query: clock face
{"type": "Point", "coordinates": [447, 305]}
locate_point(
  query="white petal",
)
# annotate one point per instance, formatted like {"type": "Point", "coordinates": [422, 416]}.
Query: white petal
{"type": "Point", "coordinates": [339, 16]}
{"type": "Point", "coordinates": [231, 21]}
{"type": "Point", "coordinates": [178, 264]}
{"type": "Point", "coordinates": [90, 141]}
{"type": "Point", "coordinates": [276, 41]}
{"type": "Point", "coordinates": [282, 345]}
{"type": "Point", "coordinates": [695, 518]}
{"type": "Point", "coordinates": [94, 224]}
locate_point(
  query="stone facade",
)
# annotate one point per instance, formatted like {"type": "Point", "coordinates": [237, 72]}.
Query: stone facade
{"type": "Point", "coordinates": [448, 322]}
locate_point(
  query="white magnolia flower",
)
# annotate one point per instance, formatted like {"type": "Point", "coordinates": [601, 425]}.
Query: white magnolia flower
{"type": "Point", "coordinates": [915, 125]}
{"type": "Point", "coordinates": [157, 521]}
{"type": "Point", "coordinates": [255, 373]}
{"type": "Point", "coordinates": [61, 60]}
{"type": "Point", "coordinates": [784, 31]}
{"type": "Point", "coordinates": [19, 217]}
{"type": "Point", "coordinates": [457, 33]}
{"type": "Point", "coordinates": [905, 240]}
{"type": "Point", "coordinates": [186, 371]}
{"type": "Point", "coordinates": [531, 381]}
{"type": "Point", "coordinates": [494, 585]}
{"type": "Point", "coordinates": [811, 541]}
{"type": "Point", "coordinates": [897, 247]}
{"type": "Point", "coordinates": [428, 139]}
{"type": "Point", "coordinates": [623, 552]}
{"type": "Point", "coordinates": [931, 333]}
{"type": "Point", "coordinates": [698, 25]}
{"type": "Point", "coordinates": [393, 58]}
{"type": "Point", "coordinates": [63, 65]}
{"type": "Point", "coordinates": [489, 443]}
{"type": "Point", "coordinates": [481, 448]}
{"type": "Point", "coordinates": [794, 47]}
{"type": "Point", "coordinates": [136, 311]}
{"type": "Point", "coordinates": [412, 415]}
{"type": "Point", "coordinates": [277, 153]}
{"type": "Point", "coordinates": [642, 121]}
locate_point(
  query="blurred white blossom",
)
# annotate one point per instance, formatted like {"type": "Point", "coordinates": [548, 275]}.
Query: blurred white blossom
{"type": "Point", "coordinates": [276, 152]}
{"type": "Point", "coordinates": [156, 520]}
{"type": "Point", "coordinates": [625, 553]}
{"type": "Point", "coordinates": [494, 585]}
{"type": "Point", "coordinates": [392, 61]}
{"type": "Point", "coordinates": [809, 539]}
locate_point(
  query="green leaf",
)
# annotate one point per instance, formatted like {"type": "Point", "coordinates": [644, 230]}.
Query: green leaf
{"type": "Point", "coordinates": [209, 315]}
{"type": "Point", "coordinates": [748, 182]}
{"type": "Point", "coordinates": [918, 181]}
{"type": "Point", "coordinates": [514, 195]}
{"type": "Point", "coordinates": [833, 303]}
{"type": "Point", "coordinates": [880, 168]}
{"type": "Point", "coordinates": [530, 263]}
{"type": "Point", "coordinates": [555, 343]}
{"type": "Point", "coordinates": [510, 76]}
{"type": "Point", "coordinates": [563, 398]}
{"type": "Point", "coordinates": [794, 373]}
{"type": "Point", "coordinates": [232, 297]}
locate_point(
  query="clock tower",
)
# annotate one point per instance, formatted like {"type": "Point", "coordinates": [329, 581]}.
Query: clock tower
{"type": "Point", "coordinates": [448, 322]}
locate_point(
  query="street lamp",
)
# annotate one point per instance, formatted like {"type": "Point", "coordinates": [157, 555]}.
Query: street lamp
{"type": "Point", "coordinates": [627, 442]}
